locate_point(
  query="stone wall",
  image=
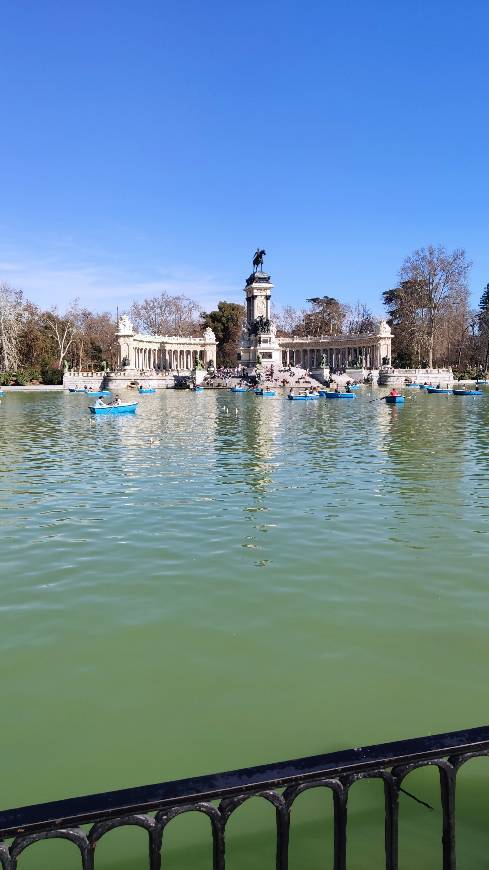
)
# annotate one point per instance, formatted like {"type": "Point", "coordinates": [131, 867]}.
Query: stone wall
{"type": "Point", "coordinates": [117, 380]}
{"type": "Point", "coordinates": [93, 380]}
{"type": "Point", "coordinates": [397, 377]}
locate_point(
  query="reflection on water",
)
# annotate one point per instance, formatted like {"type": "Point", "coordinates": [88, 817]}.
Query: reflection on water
{"type": "Point", "coordinates": [252, 579]}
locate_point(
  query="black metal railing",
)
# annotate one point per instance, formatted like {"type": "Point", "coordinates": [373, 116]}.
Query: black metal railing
{"type": "Point", "coordinates": [152, 807]}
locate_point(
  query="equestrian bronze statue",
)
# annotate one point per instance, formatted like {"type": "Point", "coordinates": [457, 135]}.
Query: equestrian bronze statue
{"type": "Point", "coordinates": [258, 259]}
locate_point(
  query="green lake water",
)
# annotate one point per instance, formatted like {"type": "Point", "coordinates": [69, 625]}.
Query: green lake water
{"type": "Point", "coordinates": [222, 581]}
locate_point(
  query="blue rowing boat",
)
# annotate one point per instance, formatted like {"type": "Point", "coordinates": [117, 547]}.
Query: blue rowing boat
{"type": "Point", "coordinates": [97, 393]}
{"type": "Point", "coordinates": [394, 400]}
{"type": "Point", "coordinates": [2, 392]}
{"type": "Point", "coordinates": [125, 408]}
{"type": "Point", "coordinates": [303, 397]}
{"type": "Point", "coordinates": [146, 391]}
{"type": "Point", "coordinates": [77, 390]}
{"type": "Point", "coordinates": [261, 392]}
{"type": "Point", "coordinates": [355, 386]}
{"type": "Point", "coordinates": [197, 389]}
{"type": "Point", "coordinates": [415, 386]}
{"type": "Point", "coordinates": [239, 389]}
{"type": "Point", "coordinates": [468, 393]}
{"type": "Point", "coordinates": [334, 395]}
{"type": "Point", "coordinates": [437, 390]}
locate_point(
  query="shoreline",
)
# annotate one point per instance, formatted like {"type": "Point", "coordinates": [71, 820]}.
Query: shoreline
{"type": "Point", "coordinates": [34, 388]}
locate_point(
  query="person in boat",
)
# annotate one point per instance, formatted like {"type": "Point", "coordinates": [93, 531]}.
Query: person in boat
{"type": "Point", "coordinates": [393, 392]}
{"type": "Point", "coordinates": [100, 403]}
{"type": "Point", "coordinates": [348, 388]}
{"type": "Point", "coordinates": [337, 389]}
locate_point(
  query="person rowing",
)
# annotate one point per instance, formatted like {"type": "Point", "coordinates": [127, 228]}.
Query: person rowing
{"type": "Point", "coordinates": [393, 392]}
{"type": "Point", "coordinates": [100, 403]}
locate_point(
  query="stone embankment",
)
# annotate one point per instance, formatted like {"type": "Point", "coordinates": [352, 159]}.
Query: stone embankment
{"type": "Point", "coordinates": [117, 380]}
{"type": "Point", "coordinates": [391, 377]}
{"type": "Point", "coordinates": [34, 388]}
{"type": "Point", "coordinates": [293, 377]}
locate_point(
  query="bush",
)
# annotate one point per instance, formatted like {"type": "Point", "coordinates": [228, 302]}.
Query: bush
{"type": "Point", "coordinates": [50, 375]}
{"type": "Point", "coordinates": [29, 374]}
{"type": "Point", "coordinates": [7, 378]}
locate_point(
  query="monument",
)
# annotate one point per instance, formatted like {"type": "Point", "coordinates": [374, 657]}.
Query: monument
{"type": "Point", "coordinates": [259, 345]}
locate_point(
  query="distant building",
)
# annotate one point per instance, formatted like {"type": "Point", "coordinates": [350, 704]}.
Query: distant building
{"type": "Point", "coordinates": [164, 353]}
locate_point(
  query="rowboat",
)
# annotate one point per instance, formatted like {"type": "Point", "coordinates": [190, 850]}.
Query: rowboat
{"type": "Point", "coordinates": [468, 393]}
{"type": "Point", "coordinates": [2, 392]}
{"type": "Point", "coordinates": [423, 386]}
{"type": "Point", "coordinates": [262, 392]}
{"type": "Point", "coordinates": [355, 386]}
{"type": "Point", "coordinates": [77, 390]}
{"type": "Point", "coordinates": [415, 386]}
{"type": "Point", "coordinates": [145, 391]}
{"type": "Point", "coordinates": [97, 393]}
{"type": "Point", "coordinates": [482, 382]}
{"type": "Point", "coordinates": [438, 390]}
{"type": "Point", "coordinates": [198, 389]}
{"type": "Point", "coordinates": [333, 395]}
{"type": "Point", "coordinates": [394, 400]}
{"type": "Point", "coordinates": [239, 389]}
{"type": "Point", "coordinates": [125, 408]}
{"type": "Point", "coordinates": [302, 397]}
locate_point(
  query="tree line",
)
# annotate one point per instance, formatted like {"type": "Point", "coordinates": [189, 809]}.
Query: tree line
{"type": "Point", "coordinates": [428, 310]}
{"type": "Point", "coordinates": [36, 345]}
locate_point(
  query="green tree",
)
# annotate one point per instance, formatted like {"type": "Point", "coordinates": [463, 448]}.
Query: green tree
{"type": "Point", "coordinates": [326, 316]}
{"type": "Point", "coordinates": [483, 324]}
{"type": "Point", "coordinates": [407, 316]}
{"type": "Point", "coordinates": [226, 322]}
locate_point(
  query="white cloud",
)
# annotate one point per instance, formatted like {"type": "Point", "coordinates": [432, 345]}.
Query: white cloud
{"type": "Point", "coordinates": [99, 287]}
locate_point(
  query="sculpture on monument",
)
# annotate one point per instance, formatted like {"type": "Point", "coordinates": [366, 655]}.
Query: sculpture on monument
{"type": "Point", "coordinates": [260, 325]}
{"type": "Point", "coordinates": [258, 258]}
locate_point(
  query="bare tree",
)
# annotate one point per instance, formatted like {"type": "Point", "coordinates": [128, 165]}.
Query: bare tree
{"type": "Point", "coordinates": [10, 326]}
{"type": "Point", "coordinates": [166, 315]}
{"type": "Point", "coordinates": [442, 278]}
{"type": "Point", "coordinates": [63, 329]}
{"type": "Point", "coordinates": [289, 320]}
{"type": "Point", "coordinates": [360, 320]}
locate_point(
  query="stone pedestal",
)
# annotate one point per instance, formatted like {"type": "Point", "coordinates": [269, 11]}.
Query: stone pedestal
{"type": "Point", "coordinates": [259, 345]}
{"type": "Point", "coordinates": [198, 375]}
{"type": "Point", "coordinates": [321, 374]}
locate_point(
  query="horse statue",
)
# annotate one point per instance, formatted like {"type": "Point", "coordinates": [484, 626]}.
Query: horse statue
{"type": "Point", "coordinates": [258, 258]}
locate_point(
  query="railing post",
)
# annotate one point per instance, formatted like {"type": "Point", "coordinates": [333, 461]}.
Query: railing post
{"type": "Point", "coordinates": [283, 830]}
{"type": "Point", "coordinates": [340, 800]}
{"type": "Point", "coordinates": [448, 776]}
{"type": "Point", "coordinates": [391, 796]}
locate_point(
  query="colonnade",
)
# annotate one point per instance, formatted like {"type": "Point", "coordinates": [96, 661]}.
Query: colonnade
{"type": "Point", "coordinates": [335, 357]}
{"type": "Point", "coordinates": [166, 359]}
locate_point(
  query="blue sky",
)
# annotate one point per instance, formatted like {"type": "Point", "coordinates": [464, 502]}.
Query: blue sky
{"type": "Point", "coordinates": [154, 145]}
